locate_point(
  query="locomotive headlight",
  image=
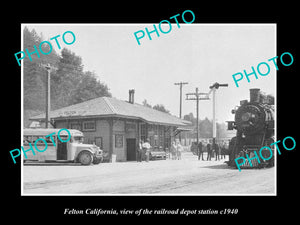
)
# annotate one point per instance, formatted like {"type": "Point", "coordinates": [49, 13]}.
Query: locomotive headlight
{"type": "Point", "coordinates": [250, 118]}
{"type": "Point", "coordinates": [246, 116]}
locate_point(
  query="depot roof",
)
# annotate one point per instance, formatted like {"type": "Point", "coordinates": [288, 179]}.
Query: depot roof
{"type": "Point", "coordinates": [112, 107]}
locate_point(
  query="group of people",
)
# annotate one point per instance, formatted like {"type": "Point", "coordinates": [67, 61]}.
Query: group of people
{"type": "Point", "coordinates": [176, 149]}
{"type": "Point", "coordinates": [144, 149]}
{"type": "Point", "coordinates": [216, 149]}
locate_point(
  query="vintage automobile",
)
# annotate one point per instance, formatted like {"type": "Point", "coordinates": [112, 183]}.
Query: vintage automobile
{"type": "Point", "coordinates": [157, 153]}
{"type": "Point", "coordinates": [58, 151]}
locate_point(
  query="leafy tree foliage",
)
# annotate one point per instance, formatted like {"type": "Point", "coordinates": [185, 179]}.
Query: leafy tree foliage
{"type": "Point", "coordinates": [161, 108]}
{"type": "Point", "coordinates": [70, 84]}
{"type": "Point", "coordinates": [145, 103]}
{"type": "Point", "coordinates": [205, 127]}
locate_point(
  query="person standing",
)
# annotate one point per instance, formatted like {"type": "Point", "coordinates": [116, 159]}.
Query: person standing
{"type": "Point", "coordinates": [173, 150]}
{"type": "Point", "coordinates": [200, 152]}
{"type": "Point", "coordinates": [217, 149]}
{"type": "Point", "coordinates": [208, 151]}
{"type": "Point", "coordinates": [222, 150]}
{"type": "Point", "coordinates": [140, 151]}
{"type": "Point", "coordinates": [147, 147]}
{"type": "Point", "coordinates": [179, 150]}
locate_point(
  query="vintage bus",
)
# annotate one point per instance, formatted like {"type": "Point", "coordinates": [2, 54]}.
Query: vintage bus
{"type": "Point", "coordinates": [73, 150]}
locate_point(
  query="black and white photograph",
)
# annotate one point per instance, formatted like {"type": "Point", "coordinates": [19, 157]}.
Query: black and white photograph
{"type": "Point", "coordinates": [138, 112]}
{"type": "Point", "coordinates": [129, 98]}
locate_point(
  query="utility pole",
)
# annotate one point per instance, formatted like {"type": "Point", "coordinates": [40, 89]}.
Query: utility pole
{"type": "Point", "coordinates": [48, 82]}
{"type": "Point", "coordinates": [213, 89]}
{"type": "Point", "coordinates": [180, 101]}
{"type": "Point", "coordinates": [197, 96]}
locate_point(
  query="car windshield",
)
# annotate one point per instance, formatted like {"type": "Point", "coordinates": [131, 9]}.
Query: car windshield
{"type": "Point", "coordinates": [78, 139]}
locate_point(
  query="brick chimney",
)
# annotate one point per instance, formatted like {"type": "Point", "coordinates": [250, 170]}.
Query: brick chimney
{"type": "Point", "coordinates": [131, 96]}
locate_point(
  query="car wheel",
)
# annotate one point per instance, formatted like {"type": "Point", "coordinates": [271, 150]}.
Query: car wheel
{"type": "Point", "coordinates": [85, 158]}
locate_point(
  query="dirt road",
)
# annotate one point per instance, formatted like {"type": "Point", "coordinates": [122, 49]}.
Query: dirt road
{"type": "Point", "coordinates": [183, 177]}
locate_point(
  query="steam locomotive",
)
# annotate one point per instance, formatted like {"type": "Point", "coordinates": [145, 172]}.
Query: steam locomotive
{"type": "Point", "coordinates": [254, 122]}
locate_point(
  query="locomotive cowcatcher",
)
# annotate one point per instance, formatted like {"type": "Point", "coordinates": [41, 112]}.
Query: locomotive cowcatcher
{"type": "Point", "coordinates": [254, 122]}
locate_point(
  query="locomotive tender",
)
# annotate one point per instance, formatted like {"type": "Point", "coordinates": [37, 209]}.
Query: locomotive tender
{"type": "Point", "coordinates": [254, 122]}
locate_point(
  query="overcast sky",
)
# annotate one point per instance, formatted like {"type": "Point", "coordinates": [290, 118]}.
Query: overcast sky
{"type": "Point", "coordinates": [200, 54]}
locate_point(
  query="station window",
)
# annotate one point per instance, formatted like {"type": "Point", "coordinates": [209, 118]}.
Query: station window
{"type": "Point", "coordinates": [161, 136]}
{"type": "Point", "coordinates": [76, 126]}
{"type": "Point", "coordinates": [99, 142]}
{"type": "Point", "coordinates": [161, 130]}
{"type": "Point", "coordinates": [89, 126]}
{"type": "Point", "coordinates": [143, 132]}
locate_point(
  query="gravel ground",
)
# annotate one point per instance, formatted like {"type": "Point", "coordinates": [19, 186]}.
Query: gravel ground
{"type": "Point", "coordinates": [183, 177]}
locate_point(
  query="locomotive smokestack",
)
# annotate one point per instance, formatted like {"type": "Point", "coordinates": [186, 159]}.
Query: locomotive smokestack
{"type": "Point", "coordinates": [255, 95]}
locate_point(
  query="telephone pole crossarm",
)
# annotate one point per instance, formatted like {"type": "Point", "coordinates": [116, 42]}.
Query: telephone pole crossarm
{"type": "Point", "coordinates": [198, 96]}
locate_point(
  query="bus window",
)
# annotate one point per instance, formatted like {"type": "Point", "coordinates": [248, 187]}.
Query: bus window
{"type": "Point", "coordinates": [27, 140]}
{"type": "Point", "coordinates": [78, 139]}
{"type": "Point", "coordinates": [64, 138]}
{"type": "Point", "coordinates": [34, 138]}
{"type": "Point", "coordinates": [49, 141]}
{"type": "Point", "coordinates": [40, 142]}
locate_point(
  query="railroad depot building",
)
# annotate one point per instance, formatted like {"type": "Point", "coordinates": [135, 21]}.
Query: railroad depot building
{"type": "Point", "coordinates": [116, 126]}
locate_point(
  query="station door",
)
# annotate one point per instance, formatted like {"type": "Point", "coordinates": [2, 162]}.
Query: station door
{"type": "Point", "coordinates": [131, 149]}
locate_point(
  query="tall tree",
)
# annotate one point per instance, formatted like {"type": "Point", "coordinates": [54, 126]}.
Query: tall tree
{"type": "Point", "coordinates": [70, 84]}
{"type": "Point", "coordinates": [88, 88]}
{"type": "Point", "coordinates": [161, 108]}
{"type": "Point", "coordinates": [190, 117]}
{"type": "Point", "coordinates": [145, 103]}
{"type": "Point", "coordinates": [66, 78]}
{"type": "Point", "coordinates": [34, 74]}
{"type": "Point", "coordinates": [205, 128]}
